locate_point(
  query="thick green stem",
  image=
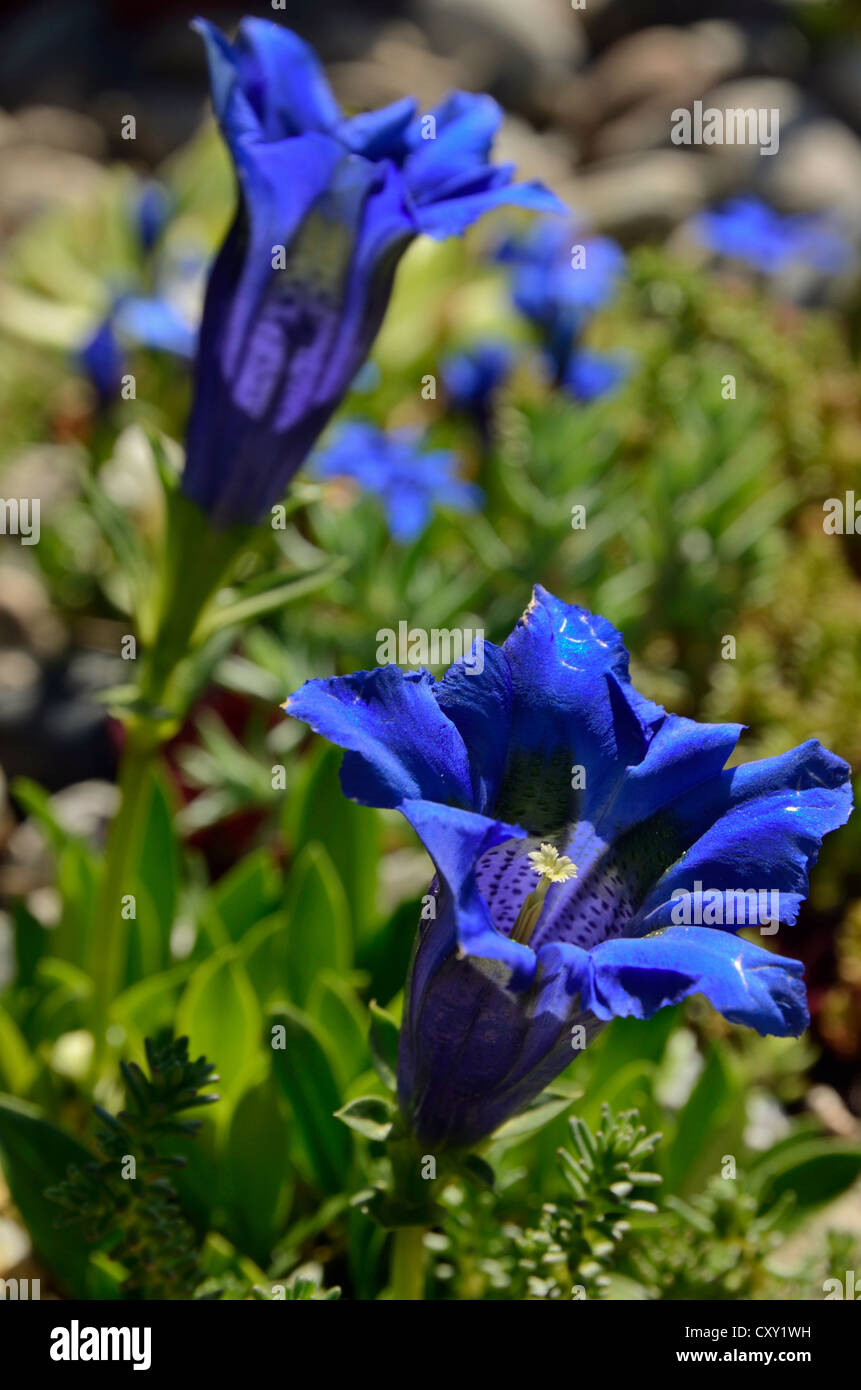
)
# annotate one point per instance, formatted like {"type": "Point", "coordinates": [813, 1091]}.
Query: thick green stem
{"type": "Point", "coordinates": [408, 1264]}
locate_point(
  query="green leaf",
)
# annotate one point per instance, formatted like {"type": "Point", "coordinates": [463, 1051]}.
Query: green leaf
{"type": "Point", "coordinates": [64, 990]}
{"type": "Point", "coordinates": [370, 1116]}
{"type": "Point", "coordinates": [303, 1069]}
{"type": "Point", "coordinates": [478, 1171]}
{"type": "Point", "coordinates": [386, 957]}
{"type": "Point", "coordinates": [335, 1005]}
{"type": "Point", "coordinates": [34, 1155]}
{"type": "Point", "coordinates": [533, 1119]}
{"type": "Point", "coordinates": [711, 1123]}
{"type": "Point", "coordinates": [157, 881]}
{"type": "Point", "coordinates": [815, 1172]}
{"type": "Point", "coordinates": [147, 1008]}
{"type": "Point", "coordinates": [384, 1038]}
{"type": "Point", "coordinates": [248, 893]}
{"type": "Point", "coordinates": [264, 950]}
{"type": "Point", "coordinates": [256, 1179]}
{"type": "Point", "coordinates": [220, 1014]}
{"type": "Point", "coordinates": [318, 927]}
{"type": "Point", "coordinates": [320, 811]}
{"type": "Point", "coordinates": [18, 1067]}
{"type": "Point", "coordinates": [246, 609]}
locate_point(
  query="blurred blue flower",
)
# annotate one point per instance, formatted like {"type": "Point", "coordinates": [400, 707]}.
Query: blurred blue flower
{"type": "Point", "coordinates": [544, 766]}
{"type": "Point", "coordinates": [103, 360]}
{"type": "Point", "coordinates": [409, 482]}
{"type": "Point", "coordinates": [560, 279]}
{"type": "Point", "coordinates": [151, 212]}
{"type": "Point", "coordinates": [327, 206]}
{"type": "Point", "coordinates": [589, 375]}
{"type": "Point", "coordinates": [746, 229]}
{"type": "Point", "coordinates": [472, 377]}
{"type": "Point", "coordinates": [152, 321]}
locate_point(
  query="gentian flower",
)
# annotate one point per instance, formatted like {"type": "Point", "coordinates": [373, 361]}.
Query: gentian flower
{"type": "Point", "coordinates": [409, 482]}
{"type": "Point", "coordinates": [556, 294]}
{"type": "Point", "coordinates": [567, 816]}
{"type": "Point", "coordinates": [327, 206]}
{"type": "Point", "coordinates": [472, 377]}
{"type": "Point", "coordinates": [103, 360]}
{"type": "Point", "coordinates": [151, 212]}
{"type": "Point", "coordinates": [746, 229]}
{"type": "Point", "coordinates": [589, 375]}
{"type": "Point", "coordinates": [153, 321]}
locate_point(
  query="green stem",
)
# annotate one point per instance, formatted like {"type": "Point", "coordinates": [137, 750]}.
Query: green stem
{"type": "Point", "coordinates": [110, 932]}
{"type": "Point", "coordinates": [408, 1264]}
{"type": "Point", "coordinates": [195, 561]}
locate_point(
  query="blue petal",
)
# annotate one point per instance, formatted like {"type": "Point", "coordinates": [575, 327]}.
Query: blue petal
{"type": "Point", "coordinates": [154, 323]}
{"type": "Point", "coordinates": [573, 705]}
{"type": "Point", "coordinates": [279, 76]}
{"type": "Point", "coordinates": [486, 1026]}
{"type": "Point", "coordinates": [465, 128]}
{"type": "Point", "coordinates": [455, 840]}
{"type": "Point", "coordinates": [380, 134]}
{"type": "Point", "coordinates": [745, 983]}
{"type": "Point", "coordinates": [400, 744]}
{"type": "Point", "coordinates": [479, 703]}
{"type": "Point", "coordinates": [450, 218]}
{"type": "Point", "coordinates": [103, 359]}
{"type": "Point", "coordinates": [589, 375]}
{"type": "Point", "coordinates": [759, 826]}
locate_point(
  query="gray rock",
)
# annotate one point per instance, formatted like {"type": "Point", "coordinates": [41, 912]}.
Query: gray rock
{"type": "Point", "coordinates": [819, 167]}
{"type": "Point", "coordinates": [641, 195]}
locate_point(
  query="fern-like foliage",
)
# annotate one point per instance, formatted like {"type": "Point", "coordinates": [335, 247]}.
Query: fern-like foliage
{"type": "Point", "coordinates": [124, 1200]}
{"type": "Point", "coordinates": [574, 1248]}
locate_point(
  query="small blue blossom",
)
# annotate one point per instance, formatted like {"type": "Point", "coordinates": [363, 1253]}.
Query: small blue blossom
{"type": "Point", "coordinates": [472, 377]}
{"type": "Point", "coordinates": [327, 206]}
{"type": "Point", "coordinates": [748, 230]}
{"type": "Point", "coordinates": [102, 359]}
{"type": "Point", "coordinates": [151, 212]}
{"type": "Point", "coordinates": [589, 375]}
{"type": "Point", "coordinates": [567, 817]}
{"type": "Point", "coordinates": [409, 482]}
{"type": "Point", "coordinates": [153, 321]}
{"type": "Point", "coordinates": [560, 279]}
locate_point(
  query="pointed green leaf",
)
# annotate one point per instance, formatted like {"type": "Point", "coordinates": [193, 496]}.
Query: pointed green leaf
{"type": "Point", "coordinates": [220, 1014]}
{"type": "Point", "coordinates": [318, 930]}
{"type": "Point", "coordinates": [370, 1116]}
{"type": "Point", "coordinates": [303, 1069]}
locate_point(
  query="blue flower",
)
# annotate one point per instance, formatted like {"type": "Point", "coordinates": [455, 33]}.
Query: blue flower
{"type": "Point", "coordinates": [151, 210]}
{"type": "Point", "coordinates": [472, 377]}
{"type": "Point", "coordinates": [746, 229]}
{"type": "Point", "coordinates": [589, 375]}
{"type": "Point", "coordinates": [409, 482]}
{"type": "Point", "coordinates": [134, 320]}
{"type": "Point", "coordinates": [560, 279]}
{"type": "Point", "coordinates": [545, 755]}
{"type": "Point", "coordinates": [327, 206]}
{"type": "Point", "coordinates": [102, 358]}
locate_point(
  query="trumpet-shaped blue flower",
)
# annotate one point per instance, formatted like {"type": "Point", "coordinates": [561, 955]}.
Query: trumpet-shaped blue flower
{"type": "Point", "coordinates": [569, 820]}
{"type": "Point", "coordinates": [327, 206]}
{"type": "Point", "coordinates": [746, 229]}
{"type": "Point", "coordinates": [394, 467]}
{"type": "Point", "coordinates": [559, 281]}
